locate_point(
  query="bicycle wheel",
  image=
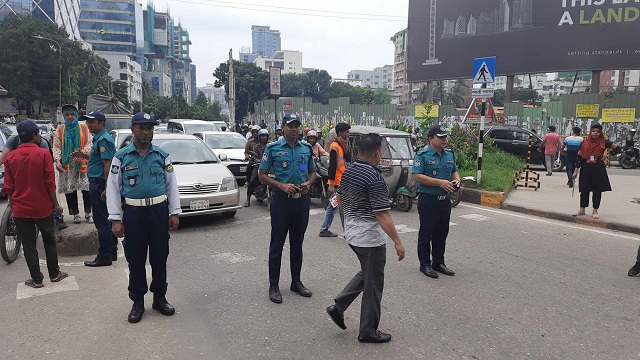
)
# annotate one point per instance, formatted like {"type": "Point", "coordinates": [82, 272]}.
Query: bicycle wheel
{"type": "Point", "coordinates": [9, 240]}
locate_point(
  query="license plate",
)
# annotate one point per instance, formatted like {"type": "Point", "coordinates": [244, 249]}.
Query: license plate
{"type": "Point", "coordinates": [199, 204]}
{"type": "Point", "coordinates": [243, 169]}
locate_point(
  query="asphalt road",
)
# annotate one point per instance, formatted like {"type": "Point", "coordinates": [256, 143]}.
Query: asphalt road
{"type": "Point", "coordinates": [525, 288]}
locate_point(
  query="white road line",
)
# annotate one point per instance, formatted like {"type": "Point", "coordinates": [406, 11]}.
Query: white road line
{"type": "Point", "coordinates": [403, 229]}
{"type": "Point", "coordinates": [147, 269]}
{"type": "Point", "coordinates": [553, 222]}
{"type": "Point", "coordinates": [232, 258]}
{"type": "Point", "coordinates": [475, 217]}
{"type": "Point", "coordinates": [24, 292]}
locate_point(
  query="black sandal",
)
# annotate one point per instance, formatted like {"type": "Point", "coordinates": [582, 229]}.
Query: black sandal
{"type": "Point", "coordinates": [33, 284]}
{"type": "Point", "coordinates": [61, 275]}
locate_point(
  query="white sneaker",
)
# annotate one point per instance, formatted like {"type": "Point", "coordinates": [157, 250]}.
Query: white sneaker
{"type": "Point", "coordinates": [77, 219]}
{"type": "Point", "coordinates": [89, 218]}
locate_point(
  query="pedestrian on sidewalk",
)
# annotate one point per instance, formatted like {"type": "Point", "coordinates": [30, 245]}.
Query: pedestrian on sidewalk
{"type": "Point", "coordinates": [143, 177]}
{"type": "Point", "coordinates": [102, 151]}
{"type": "Point", "coordinates": [31, 187]}
{"type": "Point", "coordinates": [339, 157]}
{"type": "Point", "coordinates": [593, 173]}
{"type": "Point", "coordinates": [572, 143]}
{"type": "Point", "coordinates": [551, 142]}
{"type": "Point", "coordinates": [363, 196]}
{"type": "Point", "coordinates": [294, 171]}
{"type": "Point", "coordinates": [70, 137]}
{"type": "Point", "coordinates": [436, 172]}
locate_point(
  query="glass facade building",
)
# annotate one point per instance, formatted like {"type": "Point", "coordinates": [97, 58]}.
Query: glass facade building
{"type": "Point", "coordinates": [265, 41]}
{"type": "Point", "coordinates": [64, 13]}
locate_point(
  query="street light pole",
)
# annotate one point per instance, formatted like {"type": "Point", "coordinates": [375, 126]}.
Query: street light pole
{"type": "Point", "coordinates": [59, 69]}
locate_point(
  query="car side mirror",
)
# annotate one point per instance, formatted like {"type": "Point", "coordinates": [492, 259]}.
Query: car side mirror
{"type": "Point", "coordinates": [222, 157]}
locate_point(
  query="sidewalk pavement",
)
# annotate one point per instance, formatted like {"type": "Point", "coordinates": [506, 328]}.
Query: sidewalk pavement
{"type": "Point", "coordinates": [618, 211]}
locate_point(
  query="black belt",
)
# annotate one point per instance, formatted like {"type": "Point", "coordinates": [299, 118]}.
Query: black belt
{"type": "Point", "coordinates": [96, 180]}
{"type": "Point", "coordinates": [436, 197]}
{"type": "Point", "coordinates": [289, 196]}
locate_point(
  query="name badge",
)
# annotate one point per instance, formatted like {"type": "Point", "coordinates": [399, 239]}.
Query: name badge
{"type": "Point", "coordinates": [592, 158]}
{"type": "Point", "coordinates": [285, 164]}
{"type": "Point", "coordinates": [304, 167]}
{"type": "Point", "coordinates": [130, 167]}
{"type": "Point", "coordinates": [132, 181]}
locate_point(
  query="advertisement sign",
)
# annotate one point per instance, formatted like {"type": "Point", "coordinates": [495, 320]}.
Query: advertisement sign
{"type": "Point", "coordinates": [287, 105]}
{"type": "Point", "coordinates": [618, 115]}
{"type": "Point", "coordinates": [421, 111]}
{"type": "Point", "coordinates": [274, 80]}
{"type": "Point", "coordinates": [526, 36]}
{"type": "Point", "coordinates": [588, 111]}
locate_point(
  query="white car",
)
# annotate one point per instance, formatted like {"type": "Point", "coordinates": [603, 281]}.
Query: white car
{"type": "Point", "coordinates": [119, 136]}
{"type": "Point", "coordinates": [188, 126]}
{"type": "Point", "coordinates": [206, 186]}
{"type": "Point", "coordinates": [231, 145]}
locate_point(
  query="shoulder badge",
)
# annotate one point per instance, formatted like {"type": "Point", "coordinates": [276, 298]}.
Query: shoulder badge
{"type": "Point", "coordinates": [102, 149]}
{"type": "Point", "coordinates": [169, 168]}
{"type": "Point", "coordinates": [115, 169]}
{"type": "Point", "coordinates": [417, 162]}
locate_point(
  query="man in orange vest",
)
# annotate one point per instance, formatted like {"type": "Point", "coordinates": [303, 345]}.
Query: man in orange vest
{"type": "Point", "coordinates": [339, 156]}
{"type": "Point", "coordinates": [72, 172]}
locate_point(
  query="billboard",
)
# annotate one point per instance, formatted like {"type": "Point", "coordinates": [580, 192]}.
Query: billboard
{"type": "Point", "coordinates": [618, 115]}
{"type": "Point", "coordinates": [274, 80]}
{"type": "Point", "coordinates": [526, 36]}
{"type": "Point", "coordinates": [591, 111]}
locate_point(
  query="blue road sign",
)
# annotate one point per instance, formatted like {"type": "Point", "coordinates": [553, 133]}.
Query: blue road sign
{"type": "Point", "coordinates": [484, 70]}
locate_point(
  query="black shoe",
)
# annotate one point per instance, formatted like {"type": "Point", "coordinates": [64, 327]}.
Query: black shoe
{"type": "Point", "coordinates": [336, 316]}
{"type": "Point", "coordinates": [379, 337]}
{"type": "Point", "coordinates": [161, 304]}
{"type": "Point", "coordinates": [62, 225]}
{"type": "Point", "coordinates": [274, 294]}
{"type": "Point", "coordinates": [300, 289]}
{"type": "Point", "coordinates": [136, 312]}
{"type": "Point", "coordinates": [570, 183]}
{"type": "Point", "coordinates": [635, 270]}
{"type": "Point", "coordinates": [98, 262]}
{"type": "Point", "coordinates": [114, 257]}
{"type": "Point", "coordinates": [442, 268]}
{"type": "Point", "coordinates": [327, 233]}
{"type": "Point", "coordinates": [427, 270]}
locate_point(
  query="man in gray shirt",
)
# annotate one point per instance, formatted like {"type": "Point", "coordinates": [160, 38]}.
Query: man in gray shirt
{"type": "Point", "coordinates": [363, 197]}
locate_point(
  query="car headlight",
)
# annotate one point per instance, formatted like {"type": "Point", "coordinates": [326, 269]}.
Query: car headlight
{"type": "Point", "coordinates": [404, 163]}
{"type": "Point", "coordinates": [229, 183]}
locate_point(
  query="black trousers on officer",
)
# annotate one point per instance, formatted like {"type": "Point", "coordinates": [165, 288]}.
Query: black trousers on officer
{"type": "Point", "coordinates": [146, 228]}
{"type": "Point", "coordinates": [434, 228]}
{"type": "Point", "coordinates": [108, 249]}
{"type": "Point", "coordinates": [287, 216]}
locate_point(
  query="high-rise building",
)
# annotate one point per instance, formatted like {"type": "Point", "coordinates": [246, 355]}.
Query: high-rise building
{"type": "Point", "coordinates": [404, 93]}
{"type": "Point", "coordinates": [378, 78]}
{"type": "Point", "coordinates": [114, 28]}
{"type": "Point", "coordinates": [182, 65]}
{"type": "Point", "coordinates": [265, 41]}
{"type": "Point", "coordinates": [213, 93]}
{"type": "Point", "coordinates": [194, 92]}
{"type": "Point", "coordinates": [246, 55]}
{"type": "Point", "coordinates": [159, 48]}
{"type": "Point", "coordinates": [289, 61]}
{"type": "Point", "coordinates": [124, 68]}
{"type": "Point", "coordinates": [64, 13]}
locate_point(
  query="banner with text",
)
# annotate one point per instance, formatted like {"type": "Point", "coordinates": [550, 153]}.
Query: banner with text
{"type": "Point", "coordinates": [421, 111]}
{"type": "Point", "coordinates": [618, 115]}
{"type": "Point", "coordinates": [274, 80]}
{"type": "Point", "coordinates": [588, 111]}
{"type": "Point", "coordinates": [526, 36]}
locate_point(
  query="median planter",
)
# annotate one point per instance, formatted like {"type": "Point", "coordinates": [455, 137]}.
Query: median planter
{"type": "Point", "coordinates": [492, 199]}
{"type": "Point", "coordinates": [77, 240]}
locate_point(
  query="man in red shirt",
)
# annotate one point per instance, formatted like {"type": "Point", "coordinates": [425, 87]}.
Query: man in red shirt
{"type": "Point", "coordinates": [30, 185]}
{"type": "Point", "coordinates": [551, 141]}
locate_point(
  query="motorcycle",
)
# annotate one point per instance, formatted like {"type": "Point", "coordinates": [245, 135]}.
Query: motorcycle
{"type": "Point", "coordinates": [629, 158]}
{"type": "Point", "coordinates": [319, 189]}
{"type": "Point", "coordinates": [261, 191]}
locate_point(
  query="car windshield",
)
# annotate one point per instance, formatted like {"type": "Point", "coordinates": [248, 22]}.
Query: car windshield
{"type": "Point", "coordinates": [117, 123]}
{"type": "Point", "coordinates": [194, 128]}
{"type": "Point", "coordinates": [230, 141]}
{"type": "Point", "coordinates": [399, 148]}
{"type": "Point", "coordinates": [187, 151]}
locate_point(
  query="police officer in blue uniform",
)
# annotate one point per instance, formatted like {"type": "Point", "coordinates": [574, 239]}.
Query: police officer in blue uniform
{"type": "Point", "coordinates": [143, 204]}
{"type": "Point", "coordinates": [292, 163]}
{"type": "Point", "coordinates": [102, 151]}
{"type": "Point", "coordinates": [436, 172]}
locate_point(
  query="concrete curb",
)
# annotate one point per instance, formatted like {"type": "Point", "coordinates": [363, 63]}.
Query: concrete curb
{"type": "Point", "coordinates": [496, 200]}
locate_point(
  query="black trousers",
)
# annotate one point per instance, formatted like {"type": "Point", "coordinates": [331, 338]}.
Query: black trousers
{"type": "Point", "coordinates": [434, 228]}
{"type": "Point", "coordinates": [26, 228]}
{"type": "Point", "coordinates": [108, 242]}
{"type": "Point", "coordinates": [370, 282]}
{"type": "Point", "coordinates": [72, 202]}
{"type": "Point", "coordinates": [288, 216]}
{"type": "Point", "coordinates": [252, 179]}
{"type": "Point", "coordinates": [146, 229]}
{"type": "Point", "coordinates": [584, 199]}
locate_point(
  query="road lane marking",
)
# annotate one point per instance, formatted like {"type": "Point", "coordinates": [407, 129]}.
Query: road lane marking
{"type": "Point", "coordinates": [403, 229]}
{"type": "Point", "coordinates": [552, 222]}
{"type": "Point", "coordinates": [233, 258]}
{"type": "Point", "coordinates": [475, 217]}
{"type": "Point", "coordinates": [24, 292]}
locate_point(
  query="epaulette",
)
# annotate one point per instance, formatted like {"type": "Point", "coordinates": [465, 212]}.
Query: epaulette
{"type": "Point", "coordinates": [162, 152]}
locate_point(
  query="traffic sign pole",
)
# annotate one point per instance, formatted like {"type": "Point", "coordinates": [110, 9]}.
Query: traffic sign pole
{"type": "Point", "coordinates": [481, 137]}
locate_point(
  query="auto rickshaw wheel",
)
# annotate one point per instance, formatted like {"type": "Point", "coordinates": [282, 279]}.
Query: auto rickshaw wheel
{"type": "Point", "coordinates": [404, 202]}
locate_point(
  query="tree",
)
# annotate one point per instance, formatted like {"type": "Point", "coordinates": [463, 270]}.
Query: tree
{"type": "Point", "coordinates": [499, 97]}
{"type": "Point", "coordinates": [457, 93]}
{"type": "Point", "coordinates": [252, 85]}
{"type": "Point", "coordinates": [201, 99]}
{"type": "Point", "coordinates": [527, 96]}
{"type": "Point", "coordinates": [121, 92]}
{"type": "Point", "coordinates": [381, 96]}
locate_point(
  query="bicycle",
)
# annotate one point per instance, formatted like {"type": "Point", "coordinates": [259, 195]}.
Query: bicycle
{"type": "Point", "coordinates": [9, 240]}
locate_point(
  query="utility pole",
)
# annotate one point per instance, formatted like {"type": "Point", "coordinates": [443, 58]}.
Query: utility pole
{"type": "Point", "coordinates": [232, 89]}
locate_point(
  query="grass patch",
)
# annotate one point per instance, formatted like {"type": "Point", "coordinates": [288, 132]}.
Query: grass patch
{"type": "Point", "coordinates": [498, 170]}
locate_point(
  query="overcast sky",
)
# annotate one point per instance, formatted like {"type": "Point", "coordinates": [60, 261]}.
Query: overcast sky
{"type": "Point", "coordinates": [335, 40]}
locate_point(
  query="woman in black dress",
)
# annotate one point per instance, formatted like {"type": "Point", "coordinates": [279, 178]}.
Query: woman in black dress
{"type": "Point", "coordinates": [593, 174]}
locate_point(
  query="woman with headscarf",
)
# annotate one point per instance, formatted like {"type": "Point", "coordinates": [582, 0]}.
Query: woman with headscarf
{"type": "Point", "coordinates": [593, 174]}
{"type": "Point", "coordinates": [72, 172]}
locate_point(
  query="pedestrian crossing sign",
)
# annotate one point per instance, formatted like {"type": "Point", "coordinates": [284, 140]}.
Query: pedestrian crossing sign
{"type": "Point", "coordinates": [484, 70]}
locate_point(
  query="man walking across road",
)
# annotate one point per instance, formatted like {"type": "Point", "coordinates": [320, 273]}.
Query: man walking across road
{"type": "Point", "coordinates": [143, 177]}
{"type": "Point", "coordinates": [294, 171]}
{"type": "Point", "coordinates": [338, 159]}
{"type": "Point", "coordinates": [99, 158]}
{"type": "Point", "coordinates": [573, 144]}
{"type": "Point", "coordinates": [31, 187]}
{"type": "Point", "coordinates": [363, 198]}
{"type": "Point", "coordinates": [436, 172]}
{"type": "Point", "coordinates": [551, 142]}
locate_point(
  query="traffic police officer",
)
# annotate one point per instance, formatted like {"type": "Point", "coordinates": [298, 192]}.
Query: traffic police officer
{"type": "Point", "coordinates": [102, 152]}
{"type": "Point", "coordinates": [292, 163]}
{"type": "Point", "coordinates": [436, 172]}
{"type": "Point", "coordinates": [142, 176]}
